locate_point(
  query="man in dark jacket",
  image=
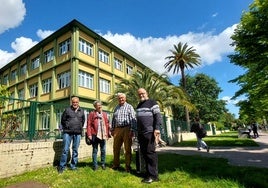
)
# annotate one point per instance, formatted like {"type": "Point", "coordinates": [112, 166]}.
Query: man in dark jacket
{"type": "Point", "coordinates": [200, 132]}
{"type": "Point", "coordinates": [149, 120]}
{"type": "Point", "coordinates": [72, 121]}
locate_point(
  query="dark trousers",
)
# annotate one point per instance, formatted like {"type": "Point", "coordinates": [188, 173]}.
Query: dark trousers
{"type": "Point", "coordinates": [147, 147]}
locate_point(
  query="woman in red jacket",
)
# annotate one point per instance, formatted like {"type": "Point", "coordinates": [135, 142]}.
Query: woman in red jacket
{"type": "Point", "coordinates": [98, 130]}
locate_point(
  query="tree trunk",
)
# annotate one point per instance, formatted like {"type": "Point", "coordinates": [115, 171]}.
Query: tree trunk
{"type": "Point", "coordinates": [187, 118]}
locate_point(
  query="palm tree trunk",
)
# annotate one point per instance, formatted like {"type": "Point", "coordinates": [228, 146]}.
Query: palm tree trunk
{"type": "Point", "coordinates": [187, 118]}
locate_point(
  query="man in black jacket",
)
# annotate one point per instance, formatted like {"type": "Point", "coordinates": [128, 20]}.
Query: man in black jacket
{"type": "Point", "coordinates": [200, 133]}
{"type": "Point", "coordinates": [72, 121]}
{"type": "Point", "coordinates": [149, 120]}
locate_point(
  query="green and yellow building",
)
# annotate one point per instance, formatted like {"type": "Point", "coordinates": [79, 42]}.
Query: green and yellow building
{"type": "Point", "coordinates": [73, 60]}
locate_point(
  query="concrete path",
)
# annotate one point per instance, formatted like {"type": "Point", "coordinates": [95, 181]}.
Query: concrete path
{"type": "Point", "coordinates": [240, 156]}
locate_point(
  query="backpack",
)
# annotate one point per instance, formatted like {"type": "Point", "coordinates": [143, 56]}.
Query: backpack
{"type": "Point", "coordinates": [202, 131]}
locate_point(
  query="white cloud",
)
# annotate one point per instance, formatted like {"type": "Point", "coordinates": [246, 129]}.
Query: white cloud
{"type": "Point", "coordinates": [20, 45]}
{"type": "Point", "coordinates": [150, 51]}
{"type": "Point", "coordinates": [215, 15]}
{"type": "Point", "coordinates": [12, 13]}
{"type": "Point", "coordinates": [153, 51]}
{"type": "Point", "coordinates": [229, 101]}
{"type": "Point", "coordinates": [43, 33]}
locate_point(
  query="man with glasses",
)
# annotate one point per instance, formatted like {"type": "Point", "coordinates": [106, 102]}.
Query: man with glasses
{"type": "Point", "coordinates": [149, 120]}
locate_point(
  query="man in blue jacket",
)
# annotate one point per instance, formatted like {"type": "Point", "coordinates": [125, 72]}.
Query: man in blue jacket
{"type": "Point", "coordinates": [72, 121]}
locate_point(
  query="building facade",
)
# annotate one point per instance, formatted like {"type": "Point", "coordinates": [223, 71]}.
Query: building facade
{"type": "Point", "coordinates": [74, 60]}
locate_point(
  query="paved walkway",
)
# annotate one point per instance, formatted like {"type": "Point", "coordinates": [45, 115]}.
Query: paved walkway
{"type": "Point", "coordinates": [240, 156]}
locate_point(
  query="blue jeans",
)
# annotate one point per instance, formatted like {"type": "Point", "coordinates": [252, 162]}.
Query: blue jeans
{"type": "Point", "coordinates": [95, 145]}
{"type": "Point", "coordinates": [201, 143]}
{"type": "Point", "coordinates": [67, 139]}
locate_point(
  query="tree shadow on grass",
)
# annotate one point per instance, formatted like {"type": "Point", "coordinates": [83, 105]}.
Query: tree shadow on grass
{"type": "Point", "coordinates": [211, 168]}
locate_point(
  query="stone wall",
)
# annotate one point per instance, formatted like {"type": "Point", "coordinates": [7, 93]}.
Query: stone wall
{"type": "Point", "coordinates": [17, 158]}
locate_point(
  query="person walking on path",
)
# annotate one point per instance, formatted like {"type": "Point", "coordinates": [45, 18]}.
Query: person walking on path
{"type": "Point", "coordinates": [255, 129]}
{"type": "Point", "coordinates": [98, 128]}
{"type": "Point", "coordinates": [123, 126]}
{"type": "Point", "coordinates": [72, 121]}
{"type": "Point", "coordinates": [200, 132]}
{"type": "Point", "coordinates": [149, 120]}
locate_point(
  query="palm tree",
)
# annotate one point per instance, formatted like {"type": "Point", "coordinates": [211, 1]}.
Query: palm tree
{"type": "Point", "coordinates": [182, 57]}
{"type": "Point", "coordinates": [157, 86]}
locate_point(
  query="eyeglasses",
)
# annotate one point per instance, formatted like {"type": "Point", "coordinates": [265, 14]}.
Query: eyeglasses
{"type": "Point", "coordinates": [141, 93]}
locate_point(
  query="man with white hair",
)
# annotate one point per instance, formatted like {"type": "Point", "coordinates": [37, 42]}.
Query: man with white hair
{"type": "Point", "coordinates": [123, 126]}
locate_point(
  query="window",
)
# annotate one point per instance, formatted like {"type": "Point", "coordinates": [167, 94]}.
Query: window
{"type": "Point", "coordinates": [35, 63]}
{"type": "Point", "coordinates": [59, 113]}
{"type": "Point", "coordinates": [21, 93]}
{"type": "Point", "coordinates": [103, 56]}
{"type": "Point", "coordinates": [64, 79]}
{"type": "Point", "coordinates": [129, 69]}
{"type": "Point", "coordinates": [49, 55]}
{"type": "Point", "coordinates": [5, 80]}
{"type": "Point", "coordinates": [104, 86]}
{"type": "Point", "coordinates": [64, 47]}
{"type": "Point", "coordinates": [85, 47]}
{"type": "Point", "coordinates": [11, 98]}
{"type": "Point", "coordinates": [85, 79]}
{"type": "Point", "coordinates": [23, 69]}
{"type": "Point", "coordinates": [33, 90]}
{"type": "Point", "coordinates": [13, 74]}
{"type": "Point", "coordinates": [45, 120]}
{"type": "Point", "coordinates": [46, 85]}
{"type": "Point", "coordinates": [118, 64]}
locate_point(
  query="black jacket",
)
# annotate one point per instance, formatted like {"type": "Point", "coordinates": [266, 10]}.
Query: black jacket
{"type": "Point", "coordinates": [73, 121]}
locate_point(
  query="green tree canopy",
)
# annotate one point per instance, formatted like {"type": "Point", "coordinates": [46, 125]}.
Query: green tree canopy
{"type": "Point", "coordinates": [158, 88]}
{"type": "Point", "coordinates": [251, 53]}
{"type": "Point", "coordinates": [4, 93]}
{"type": "Point", "coordinates": [204, 93]}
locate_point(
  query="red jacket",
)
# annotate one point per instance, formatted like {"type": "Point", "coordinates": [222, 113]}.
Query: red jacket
{"type": "Point", "coordinates": [92, 123]}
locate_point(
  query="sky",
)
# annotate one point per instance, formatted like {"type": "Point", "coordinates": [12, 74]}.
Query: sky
{"type": "Point", "coordinates": [145, 29]}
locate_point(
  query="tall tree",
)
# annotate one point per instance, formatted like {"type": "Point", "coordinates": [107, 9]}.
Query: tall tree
{"type": "Point", "coordinates": [158, 88]}
{"type": "Point", "coordinates": [251, 51]}
{"type": "Point", "coordinates": [182, 57]}
{"type": "Point", "coordinates": [204, 94]}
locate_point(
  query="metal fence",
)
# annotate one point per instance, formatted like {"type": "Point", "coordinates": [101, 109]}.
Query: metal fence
{"type": "Point", "coordinates": [24, 120]}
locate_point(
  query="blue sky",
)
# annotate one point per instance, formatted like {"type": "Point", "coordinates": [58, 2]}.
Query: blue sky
{"type": "Point", "coordinates": [146, 29]}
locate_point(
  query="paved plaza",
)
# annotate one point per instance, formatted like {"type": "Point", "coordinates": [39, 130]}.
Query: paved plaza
{"type": "Point", "coordinates": [240, 156]}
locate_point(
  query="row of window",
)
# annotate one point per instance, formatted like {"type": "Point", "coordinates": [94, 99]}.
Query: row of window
{"type": "Point", "coordinates": [64, 47]}
{"type": "Point", "coordinates": [63, 80]}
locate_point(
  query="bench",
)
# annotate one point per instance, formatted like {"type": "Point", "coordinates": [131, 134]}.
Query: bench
{"type": "Point", "coordinates": [242, 133]}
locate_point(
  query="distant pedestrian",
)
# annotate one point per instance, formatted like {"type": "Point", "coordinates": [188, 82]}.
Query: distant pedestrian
{"type": "Point", "coordinates": [72, 121]}
{"type": "Point", "coordinates": [200, 133]}
{"type": "Point", "coordinates": [255, 129]}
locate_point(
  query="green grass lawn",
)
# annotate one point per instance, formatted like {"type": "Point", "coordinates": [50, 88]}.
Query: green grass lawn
{"type": "Point", "coordinates": [174, 171]}
{"type": "Point", "coordinates": [224, 139]}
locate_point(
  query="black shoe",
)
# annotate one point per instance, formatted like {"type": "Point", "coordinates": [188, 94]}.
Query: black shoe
{"type": "Point", "coordinates": [60, 170]}
{"type": "Point", "coordinates": [115, 167]}
{"type": "Point", "coordinates": [95, 168]}
{"type": "Point", "coordinates": [207, 148]}
{"type": "Point", "coordinates": [150, 180]}
{"type": "Point", "coordinates": [103, 167]}
{"type": "Point", "coordinates": [128, 169]}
